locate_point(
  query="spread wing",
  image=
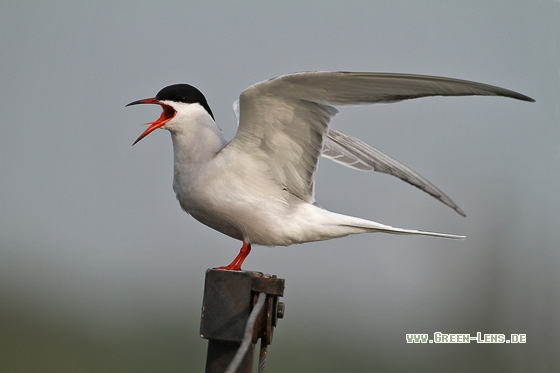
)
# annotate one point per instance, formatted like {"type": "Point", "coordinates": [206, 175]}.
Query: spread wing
{"type": "Point", "coordinates": [284, 121]}
{"type": "Point", "coordinates": [354, 153]}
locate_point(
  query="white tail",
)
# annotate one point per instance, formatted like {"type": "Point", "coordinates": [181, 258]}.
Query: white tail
{"type": "Point", "coordinates": [364, 226]}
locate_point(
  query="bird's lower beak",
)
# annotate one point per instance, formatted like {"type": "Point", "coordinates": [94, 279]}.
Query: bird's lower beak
{"type": "Point", "coordinates": [167, 114]}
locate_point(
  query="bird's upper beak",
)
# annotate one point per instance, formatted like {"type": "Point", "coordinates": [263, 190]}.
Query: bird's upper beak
{"type": "Point", "coordinates": [167, 114]}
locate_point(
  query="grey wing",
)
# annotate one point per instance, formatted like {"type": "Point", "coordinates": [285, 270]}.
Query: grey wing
{"type": "Point", "coordinates": [354, 153]}
{"type": "Point", "coordinates": [283, 121]}
{"type": "Point", "coordinates": [358, 88]}
{"type": "Point", "coordinates": [284, 133]}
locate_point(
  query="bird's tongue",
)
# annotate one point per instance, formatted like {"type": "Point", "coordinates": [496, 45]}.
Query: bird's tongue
{"type": "Point", "coordinates": [166, 115]}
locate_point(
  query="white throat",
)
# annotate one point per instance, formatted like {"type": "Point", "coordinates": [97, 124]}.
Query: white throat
{"type": "Point", "coordinates": [196, 136]}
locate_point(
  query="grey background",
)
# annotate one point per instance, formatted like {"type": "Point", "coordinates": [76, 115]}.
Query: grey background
{"type": "Point", "coordinates": [101, 270]}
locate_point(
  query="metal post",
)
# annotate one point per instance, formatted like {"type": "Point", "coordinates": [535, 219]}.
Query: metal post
{"type": "Point", "coordinates": [229, 297]}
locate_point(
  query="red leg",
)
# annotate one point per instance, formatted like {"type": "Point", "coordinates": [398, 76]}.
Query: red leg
{"type": "Point", "coordinates": [235, 265]}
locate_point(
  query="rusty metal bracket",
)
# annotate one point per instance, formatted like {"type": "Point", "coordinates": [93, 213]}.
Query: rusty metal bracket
{"type": "Point", "coordinates": [229, 297]}
{"type": "Point", "coordinates": [273, 310]}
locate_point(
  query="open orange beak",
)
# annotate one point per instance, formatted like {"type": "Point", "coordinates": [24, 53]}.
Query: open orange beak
{"type": "Point", "coordinates": [167, 114]}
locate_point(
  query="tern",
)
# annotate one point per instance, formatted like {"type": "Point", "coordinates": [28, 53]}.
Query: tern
{"type": "Point", "coordinates": [259, 187]}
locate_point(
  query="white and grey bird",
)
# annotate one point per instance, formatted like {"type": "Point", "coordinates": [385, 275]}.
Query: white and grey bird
{"type": "Point", "coordinates": [259, 187]}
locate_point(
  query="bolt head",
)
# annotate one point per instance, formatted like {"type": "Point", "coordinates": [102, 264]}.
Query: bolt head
{"type": "Point", "coordinates": [280, 310]}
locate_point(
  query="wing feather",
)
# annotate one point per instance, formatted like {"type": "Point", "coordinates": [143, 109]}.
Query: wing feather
{"type": "Point", "coordinates": [283, 121]}
{"type": "Point", "coordinates": [354, 153]}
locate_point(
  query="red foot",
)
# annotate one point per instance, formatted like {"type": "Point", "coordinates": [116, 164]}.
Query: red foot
{"type": "Point", "coordinates": [239, 259]}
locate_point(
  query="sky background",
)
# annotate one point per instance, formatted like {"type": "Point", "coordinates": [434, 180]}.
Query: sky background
{"type": "Point", "coordinates": [101, 270]}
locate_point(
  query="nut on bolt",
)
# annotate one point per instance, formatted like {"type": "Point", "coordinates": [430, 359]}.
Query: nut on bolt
{"type": "Point", "coordinates": [281, 308]}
